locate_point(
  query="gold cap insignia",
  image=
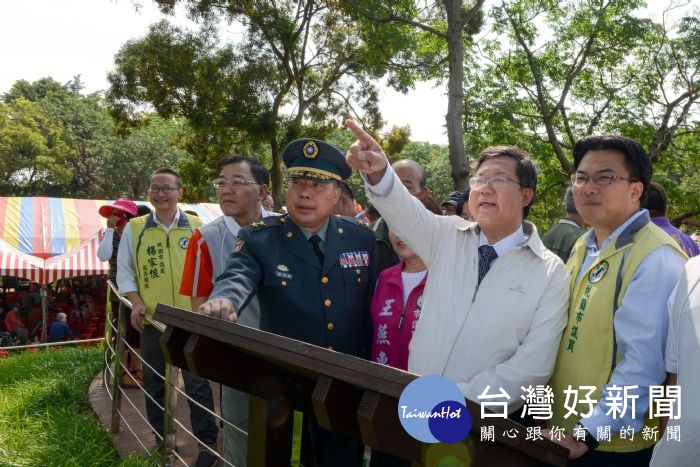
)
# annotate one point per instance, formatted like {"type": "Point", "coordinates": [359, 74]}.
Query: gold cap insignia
{"type": "Point", "coordinates": [310, 149]}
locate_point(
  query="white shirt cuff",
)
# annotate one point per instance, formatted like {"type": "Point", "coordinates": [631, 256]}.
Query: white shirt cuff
{"type": "Point", "coordinates": [383, 188]}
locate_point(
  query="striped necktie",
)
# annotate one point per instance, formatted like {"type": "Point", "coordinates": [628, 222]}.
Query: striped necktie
{"type": "Point", "coordinates": [486, 255]}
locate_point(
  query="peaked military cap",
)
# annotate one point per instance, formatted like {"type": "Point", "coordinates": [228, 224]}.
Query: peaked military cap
{"type": "Point", "coordinates": [315, 159]}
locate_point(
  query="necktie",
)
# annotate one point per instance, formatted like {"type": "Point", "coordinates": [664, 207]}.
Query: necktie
{"type": "Point", "coordinates": [315, 241]}
{"type": "Point", "coordinates": [486, 254]}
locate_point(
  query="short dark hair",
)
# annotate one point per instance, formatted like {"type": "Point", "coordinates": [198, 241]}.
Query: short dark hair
{"type": "Point", "coordinates": [346, 190]}
{"type": "Point", "coordinates": [143, 210]}
{"type": "Point", "coordinates": [260, 173]}
{"type": "Point", "coordinates": [657, 200]}
{"type": "Point", "coordinates": [636, 158]}
{"type": "Point", "coordinates": [169, 171]}
{"type": "Point", "coordinates": [526, 169]}
{"type": "Point", "coordinates": [569, 201]}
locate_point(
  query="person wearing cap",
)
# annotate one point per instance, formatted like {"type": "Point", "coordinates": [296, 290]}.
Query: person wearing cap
{"type": "Point", "coordinates": [314, 274]}
{"type": "Point", "coordinates": [449, 206]}
{"type": "Point", "coordinates": [241, 187]}
{"type": "Point", "coordinates": [59, 330]}
{"type": "Point", "coordinates": [118, 214]}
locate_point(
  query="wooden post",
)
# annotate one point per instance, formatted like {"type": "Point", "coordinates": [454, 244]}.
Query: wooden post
{"type": "Point", "coordinates": [117, 365]}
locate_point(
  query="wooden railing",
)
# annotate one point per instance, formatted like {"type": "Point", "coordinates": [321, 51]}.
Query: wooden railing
{"type": "Point", "coordinates": [347, 395]}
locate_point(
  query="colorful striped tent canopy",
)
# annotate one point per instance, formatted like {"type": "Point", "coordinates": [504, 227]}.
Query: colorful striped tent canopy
{"type": "Point", "coordinates": [17, 264]}
{"type": "Point", "coordinates": [46, 239]}
{"type": "Point", "coordinates": [82, 261]}
{"type": "Point", "coordinates": [47, 227]}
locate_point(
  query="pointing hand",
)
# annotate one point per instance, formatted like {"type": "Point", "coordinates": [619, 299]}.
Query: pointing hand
{"type": "Point", "coordinates": [365, 154]}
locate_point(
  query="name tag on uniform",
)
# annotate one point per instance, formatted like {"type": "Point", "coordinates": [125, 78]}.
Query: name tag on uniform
{"type": "Point", "coordinates": [283, 272]}
{"type": "Point", "coordinates": [354, 259]}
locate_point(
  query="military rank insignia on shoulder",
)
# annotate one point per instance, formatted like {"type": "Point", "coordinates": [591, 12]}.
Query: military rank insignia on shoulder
{"type": "Point", "coordinates": [267, 222]}
{"type": "Point", "coordinates": [354, 221]}
{"type": "Point", "coordinates": [238, 247]}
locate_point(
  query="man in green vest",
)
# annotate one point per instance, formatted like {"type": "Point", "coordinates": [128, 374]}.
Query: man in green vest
{"type": "Point", "coordinates": [150, 261]}
{"type": "Point", "coordinates": [621, 275]}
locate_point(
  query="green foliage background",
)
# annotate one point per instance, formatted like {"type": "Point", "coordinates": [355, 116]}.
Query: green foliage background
{"type": "Point", "coordinates": [538, 74]}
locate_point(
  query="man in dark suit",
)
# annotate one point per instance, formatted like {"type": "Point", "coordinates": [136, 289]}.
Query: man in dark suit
{"type": "Point", "coordinates": [314, 275]}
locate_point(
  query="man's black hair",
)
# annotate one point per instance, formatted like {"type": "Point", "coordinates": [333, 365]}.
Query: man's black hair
{"type": "Point", "coordinates": [636, 158]}
{"type": "Point", "coordinates": [526, 170]}
{"type": "Point", "coordinates": [260, 173]}
{"type": "Point", "coordinates": [169, 171]}
{"type": "Point", "coordinates": [346, 190]}
{"type": "Point", "coordinates": [657, 200]}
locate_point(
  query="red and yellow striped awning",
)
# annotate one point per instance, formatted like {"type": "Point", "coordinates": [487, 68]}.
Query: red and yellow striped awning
{"type": "Point", "coordinates": [17, 264]}
{"type": "Point", "coordinates": [46, 227]}
{"type": "Point", "coordinates": [46, 239]}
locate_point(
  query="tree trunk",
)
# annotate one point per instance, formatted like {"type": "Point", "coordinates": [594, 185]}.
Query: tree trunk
{"type": "Point", "coordinates": [276, 173]}
{"type": "Point", "coordinates": [455, 95]}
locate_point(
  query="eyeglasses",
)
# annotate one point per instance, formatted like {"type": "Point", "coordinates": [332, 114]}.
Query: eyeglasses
{"type": "Point", "coordinates": [599, 180]}
{"type": "Point", "coordinates": [497, 181]}
{"type": "Point", "coordinates": [220, 183]}
{"type": "Point", "coordinates": [166, 190]}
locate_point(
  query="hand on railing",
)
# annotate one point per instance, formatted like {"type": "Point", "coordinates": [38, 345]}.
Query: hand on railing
{"type": "Point", "coordinates": [127, 302]}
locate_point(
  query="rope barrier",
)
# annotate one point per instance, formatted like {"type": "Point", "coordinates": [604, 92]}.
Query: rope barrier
{"type": "Point", "coordinates": [180, 391]}
{"type": "Point", "coordinates": [161, 328]}
{"type": "Point", "coordinates": [123, 418]}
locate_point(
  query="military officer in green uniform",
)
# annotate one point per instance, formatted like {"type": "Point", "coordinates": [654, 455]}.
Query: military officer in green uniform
{"type": "Point", "coordinates": [313, 273]}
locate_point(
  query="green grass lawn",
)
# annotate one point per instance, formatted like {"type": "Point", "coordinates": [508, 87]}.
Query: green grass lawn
{"type": "Point", "coordinates": [45, 415]}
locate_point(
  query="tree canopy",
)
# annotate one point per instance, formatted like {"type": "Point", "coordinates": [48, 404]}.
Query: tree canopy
{"type": "Point", "coordinates": [56, 142]}
{"type": "Point", "coordinates": [539, 74]}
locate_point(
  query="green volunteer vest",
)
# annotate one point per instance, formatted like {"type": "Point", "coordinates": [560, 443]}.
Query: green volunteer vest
{"type": "Point", "coordinates": [588, 352]}
{"type": "Point", "coordinates": [160, 258]}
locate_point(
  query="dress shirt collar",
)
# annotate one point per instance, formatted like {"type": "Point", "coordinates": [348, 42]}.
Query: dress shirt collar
{"type": "Point", "coordinates": [176, 219]}
{"type": "Point", "coordinates": [321, 233]}
{"type": "Point", "coordinates": [233, 226]}
{"type": "Point", "coordinates": [591, 244]}
{"type": "Point", "coordinates": [506, 244]}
